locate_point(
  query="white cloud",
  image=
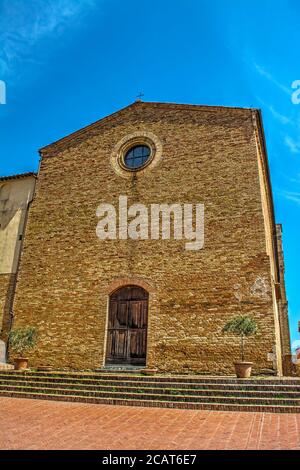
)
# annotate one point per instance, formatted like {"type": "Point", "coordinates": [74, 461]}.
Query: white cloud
{"type": "Point", "coordinates": [280, 117]}
{"type": "Point", "coordinates": [24, 24]}
{"type": "Point", "coordinates": [292, 144]}
{"type": "Point", "coordinates": [291, 196]}
{"type": "Point", "coordinates": [294, 179]}
{"type": "Point", "coordinates": [271, 79]}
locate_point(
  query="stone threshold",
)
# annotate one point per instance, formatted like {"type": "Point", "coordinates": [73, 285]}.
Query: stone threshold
{"type": "Point", "coordinates": [5, 366]}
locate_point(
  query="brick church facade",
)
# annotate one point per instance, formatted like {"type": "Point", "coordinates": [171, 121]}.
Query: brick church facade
{"type": "Point", "coordinates": [150, 302]}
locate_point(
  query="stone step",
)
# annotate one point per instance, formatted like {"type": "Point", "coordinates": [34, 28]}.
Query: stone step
{"type": "Point", "coordinates": [158, 388]}
{"type": "Point", "coordinates": [208, 405]}
{"type": "Point", "coordinates": [158, 378]}
{"type": "Point", "coordinates": [257, 400]}
{"type": "Point", "coordinates": [120, 369]}
{"type": "Point", "coordinates": [261, 386]}
{"type": "Point", "coordinates": [191, 392]}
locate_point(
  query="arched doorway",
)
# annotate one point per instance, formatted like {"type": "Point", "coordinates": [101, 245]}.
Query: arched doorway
{"type": "Point", "coordinates": [127, 326]}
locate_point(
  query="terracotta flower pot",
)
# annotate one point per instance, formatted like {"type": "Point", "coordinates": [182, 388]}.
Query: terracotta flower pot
{"type": "Point", "coordinates": [243, 369]}
{"type": "Point", "coordinates": [21, 363]}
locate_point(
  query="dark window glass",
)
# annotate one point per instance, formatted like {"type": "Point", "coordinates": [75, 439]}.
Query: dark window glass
{"type": "Point", "coordinates": [137, 156]}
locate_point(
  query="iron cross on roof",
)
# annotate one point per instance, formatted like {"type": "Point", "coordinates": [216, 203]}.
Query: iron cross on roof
{"type": "Point", "coordinates": [139, 96]}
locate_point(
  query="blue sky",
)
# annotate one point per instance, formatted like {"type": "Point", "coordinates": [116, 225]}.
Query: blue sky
{"type": "Point", "coordinates": [67, 63]}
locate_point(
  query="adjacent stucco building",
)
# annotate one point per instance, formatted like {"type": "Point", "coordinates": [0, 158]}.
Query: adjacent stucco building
{"type": "Point", "coordinates": [16, 193]}
{"type": "Point", "coordinates": [150, 301]}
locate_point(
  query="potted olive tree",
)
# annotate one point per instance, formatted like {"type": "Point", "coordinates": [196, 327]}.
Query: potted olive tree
{"type": "Point", "coordinates": [21, 340]}
{"type": "Point", "coordinates": [242, 326]}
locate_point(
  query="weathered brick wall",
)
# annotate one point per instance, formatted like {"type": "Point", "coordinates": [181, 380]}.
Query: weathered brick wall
{"type": "Point", "coordinates": [283, 309]}
{"type": "Point", "coordinates": [210, 157]}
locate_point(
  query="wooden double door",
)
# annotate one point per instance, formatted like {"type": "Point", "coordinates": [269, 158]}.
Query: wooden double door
{"type": "Point", "coordinates": [127, 326]}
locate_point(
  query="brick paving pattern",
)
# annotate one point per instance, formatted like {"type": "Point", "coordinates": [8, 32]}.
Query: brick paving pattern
{"type": "Point", "coordinates": [38, 424]}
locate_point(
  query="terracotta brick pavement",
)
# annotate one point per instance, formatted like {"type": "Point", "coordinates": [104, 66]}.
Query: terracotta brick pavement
{"type": "Point", "coordinates": [37, 424]}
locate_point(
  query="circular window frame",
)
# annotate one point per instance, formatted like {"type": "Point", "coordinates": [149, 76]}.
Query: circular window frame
{"type": "Point", "coordinates": [118, 155]}
{"type": "Point", "coordinates": [131, 145]}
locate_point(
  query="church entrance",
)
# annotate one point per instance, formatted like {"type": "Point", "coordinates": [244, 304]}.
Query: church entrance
{"type": "Point", "coordinates": [127, 326]}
